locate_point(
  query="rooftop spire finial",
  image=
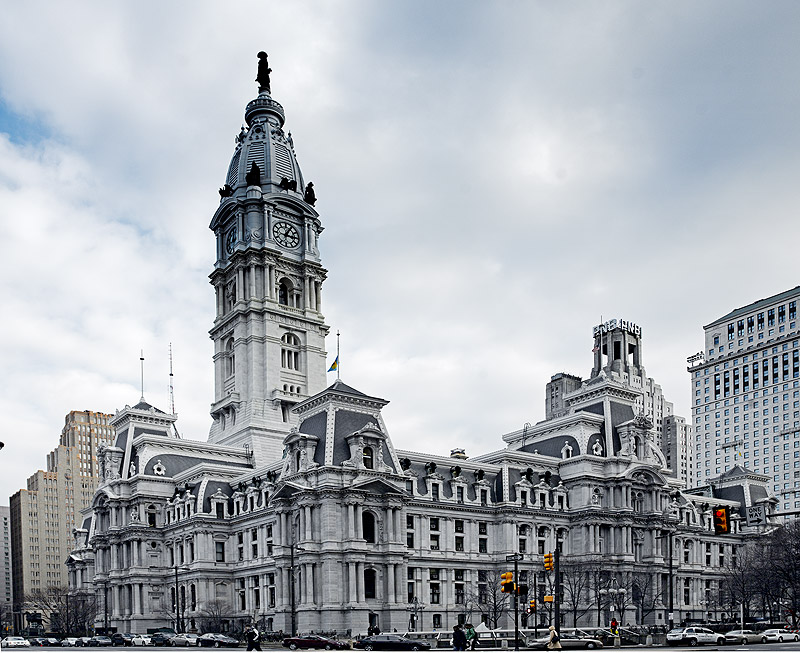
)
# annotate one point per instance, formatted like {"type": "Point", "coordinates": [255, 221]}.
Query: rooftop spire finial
{"type": "Point", "coordinates": [141, 361]}
{"type": "Point", "coordinates": [263, 73]}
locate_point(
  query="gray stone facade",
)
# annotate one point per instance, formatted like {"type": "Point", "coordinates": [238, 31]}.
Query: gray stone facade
{"type": "Point", "coordinates": [321, 524]}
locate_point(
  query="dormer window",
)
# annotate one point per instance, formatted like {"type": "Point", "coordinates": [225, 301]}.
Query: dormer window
{"type": "Point", "coordinates": [368, 458]}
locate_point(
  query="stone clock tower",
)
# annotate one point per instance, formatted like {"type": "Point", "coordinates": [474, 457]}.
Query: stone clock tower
{"type": "Point", "coordinates": [269, 332]}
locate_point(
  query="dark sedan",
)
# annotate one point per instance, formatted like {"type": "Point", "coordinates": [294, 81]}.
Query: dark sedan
{"type": "Point", "coordinates": [100, 640]}
{"type": "Point", "coordinates": [121, 639]}
{"type": "Point", "coordinates": [314, 641]}
{"type": "Point", "coordinates": [391, 643]}
{"type": "Point", "coordinates": [160, 639]}
{"type": "Point", "coordinates": [217, 640]}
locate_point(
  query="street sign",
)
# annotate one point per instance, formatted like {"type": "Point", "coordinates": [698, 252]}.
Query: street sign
{"type": "Point", "coordinates": [548, 598]}
{"type": "Point", "coordinates": [756, 516]}
{"type": "Point", "coordinates": [515, 557]}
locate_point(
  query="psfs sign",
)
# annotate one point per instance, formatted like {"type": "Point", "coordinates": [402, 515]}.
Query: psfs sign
{"type": "Point", "coordinates": [625, 325]}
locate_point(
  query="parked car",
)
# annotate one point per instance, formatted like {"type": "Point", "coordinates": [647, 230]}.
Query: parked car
{"type": "Point", "coordinates": [742, 637]}
{"type": "Point", "coordinates": [69, 641]}
{"type": "Point", "coordinates": [37, 641]}
{"type": "Point", "coordinates": [84, 641]}
{"type": "Point", "coordinates": [121, 639]}
{"type": "Point", "coordinates": [141, 640]}
{"type": "Point", "coordinates": [391, 643]}
{"type": "Point", "coordinates": [567, 642]}
{"type": "Point", "coordinates": [217, 640]}
{"type": "Point", "coordinates": [100, 640]}
{"type": "Point", "coordinates": [52, 641]}
{"type": "Point", "coordinates": [160, 639]}
{"type": "Point", "coordinates": [184, 639]}
{"type": "Point", "coordinates": [693, 635]}
{"type": "Point", "coordinates": [779, 635]}
{"type": "Point", "coordinates": [314, 641]}
{"type": "Point", "coordinates": [14, 642]}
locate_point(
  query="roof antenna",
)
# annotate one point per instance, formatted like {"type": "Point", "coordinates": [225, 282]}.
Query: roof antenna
{"type": "Point", "coordinates": [141, 359]}
{"type": "Point", "coordinates": [172, 391]}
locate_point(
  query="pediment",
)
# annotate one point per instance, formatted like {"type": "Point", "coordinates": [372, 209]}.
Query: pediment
{"type": "Point", "coordinates": [375, 486]}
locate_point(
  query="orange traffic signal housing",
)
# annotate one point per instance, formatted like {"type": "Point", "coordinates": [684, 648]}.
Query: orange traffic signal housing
{"type": "Point", "coordinates": [507, 582]}
{"type": "Point", "coordinates": [548, 561]}
{"type": "Point", "coordinates": [722, 520]}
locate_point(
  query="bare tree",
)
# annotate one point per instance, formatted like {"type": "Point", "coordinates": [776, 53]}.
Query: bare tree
{"type": "Point", "coordinates": [488, 598]}
{"type": "Point", "coordinates": [739, 581]}
{"type": "Point", "coordinates": [214, 615]}
{"type": "Point", "coordinates": [646, 593]}
{"type": "Point", "coordinates": [70, 614]}
{"type": "Point", "coordinates": [576, 582]}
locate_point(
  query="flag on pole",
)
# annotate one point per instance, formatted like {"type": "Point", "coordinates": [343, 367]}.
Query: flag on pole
{"type": "Point", "coordinates": [335, 365]}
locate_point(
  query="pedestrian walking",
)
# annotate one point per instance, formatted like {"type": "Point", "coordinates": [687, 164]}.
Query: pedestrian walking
{"type": "Point", "coordinates": [253, 636]}
{"type": "Point", "coordinates": [459, 639]}
{"type": "Point", "coordinates": [554, 643]}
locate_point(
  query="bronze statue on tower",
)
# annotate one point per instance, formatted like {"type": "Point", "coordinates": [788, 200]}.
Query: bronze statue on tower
{"type": "Point", "coordinates": [263, 73]}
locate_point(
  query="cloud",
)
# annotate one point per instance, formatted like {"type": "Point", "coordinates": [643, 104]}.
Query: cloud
{"type": "Point", "coordinates": [493, 178]}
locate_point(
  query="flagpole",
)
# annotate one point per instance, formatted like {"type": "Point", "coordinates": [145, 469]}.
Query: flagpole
{"type": "Point", "coordinates": [339, 366]}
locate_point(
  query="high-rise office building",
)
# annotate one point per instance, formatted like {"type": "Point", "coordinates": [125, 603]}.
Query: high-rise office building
{"type": "Point", "coordinates": [43, 515]}
{"type": "Point", "coordinates": [677, 448]}
{"type": "Point", "coordinates": [746, 392]}
{"type": "Point", "coordinates": [5, 572]}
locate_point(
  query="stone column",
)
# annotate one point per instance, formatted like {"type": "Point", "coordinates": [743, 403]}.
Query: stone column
{"type": "Point", "coordinates": [360, 581]}
{"type": "Point", "coordinates": [239, 284]}
{"type": "Point", "coordinates": [252, 280]}
{"type": "Point", "coordinates": [390, 524]}
{"type": "Point", "coordinates": [353, 587]}
{"type": "Point", "coordinates": [390, 590]}
{"type": "Point", "coordinates": [358, 524]}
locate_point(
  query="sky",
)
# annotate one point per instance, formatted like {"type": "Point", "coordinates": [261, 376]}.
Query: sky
{"type": "Point", "coordinates": [494, 179]}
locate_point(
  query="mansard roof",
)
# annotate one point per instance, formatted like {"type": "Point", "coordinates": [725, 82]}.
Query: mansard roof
{"type": "Point", "coordinates": [143, 405]}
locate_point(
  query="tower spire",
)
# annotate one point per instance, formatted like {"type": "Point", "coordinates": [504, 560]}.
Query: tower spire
{"type": "Point", "coordinates": [141, 363]}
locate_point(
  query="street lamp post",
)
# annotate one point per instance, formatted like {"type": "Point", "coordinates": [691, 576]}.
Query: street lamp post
{"type": "Point", "coordinates": [178, 613]}
{"type": "Point", "coordinates": [613, 593]}
{"type": "Point", "coordinates": [415, 608]}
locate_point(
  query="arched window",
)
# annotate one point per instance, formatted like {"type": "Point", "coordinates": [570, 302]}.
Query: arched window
{"type": "Point", "coordinates": [368, 526]}
{"type": "Point", "coordinates": [370, 584]}
{"type": "Point", "coordinates": [290, 352]}
{"type": "Point", "coordinates": [284, 293]}
{"type": "Point", "coordinates": [151, 515]}
{"type": "Point", "coordinates": [230, 358]}
{"type": "Point", "coordinates": [368, 458]}
{"type": "Point", "coordinates": [192, 597]}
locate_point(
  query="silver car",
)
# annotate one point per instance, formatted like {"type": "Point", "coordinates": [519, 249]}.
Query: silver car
{"type": "Point", "coordinates": [742, 637]}
{"type": "Point", "coordinates": [779, 635]}
{"type": "Point", "coordinates": [693, 635]}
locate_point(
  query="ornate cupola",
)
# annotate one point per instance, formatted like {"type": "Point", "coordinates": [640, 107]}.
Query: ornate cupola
{"type": "Point", "coordinates": [269, 332]}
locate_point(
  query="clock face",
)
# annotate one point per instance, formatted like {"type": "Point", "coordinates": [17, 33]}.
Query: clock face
{"type": "Point", "coordinates": [285, 234]}
{"type": "Point", "coordinates": [230, 241]}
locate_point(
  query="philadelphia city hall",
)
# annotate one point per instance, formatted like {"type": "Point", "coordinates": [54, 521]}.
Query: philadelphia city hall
{"type": "Point", "coordinates": [301, 514]}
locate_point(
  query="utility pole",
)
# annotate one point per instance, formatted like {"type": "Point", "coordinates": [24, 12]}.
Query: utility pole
{"type": "Point", "coordinates": [557, 593]}
{"type": "Point", "coordinates": [536, 604]}
{"type": "Point", "coordinates": [671, 601]}
{"type": "Point", "coordinates": [292, 599]}
{"type": "Point", "coordinates": [515, 558]}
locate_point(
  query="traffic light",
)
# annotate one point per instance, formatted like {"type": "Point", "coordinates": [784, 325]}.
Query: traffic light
{"type": "Point", "coordinates": [722, 522]}
{"type": "Point", "coordinates": [532, 605]}
{"type": "Point", "coordinates": [507, 582]}
{"type": "Point", "coordinates": [522, 589]}
{"type": "Point", "coordinates": [548, 561]}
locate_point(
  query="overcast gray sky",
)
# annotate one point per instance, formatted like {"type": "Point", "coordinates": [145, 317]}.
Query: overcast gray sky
{"type": "Point", "coordinates": [493, 178]}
